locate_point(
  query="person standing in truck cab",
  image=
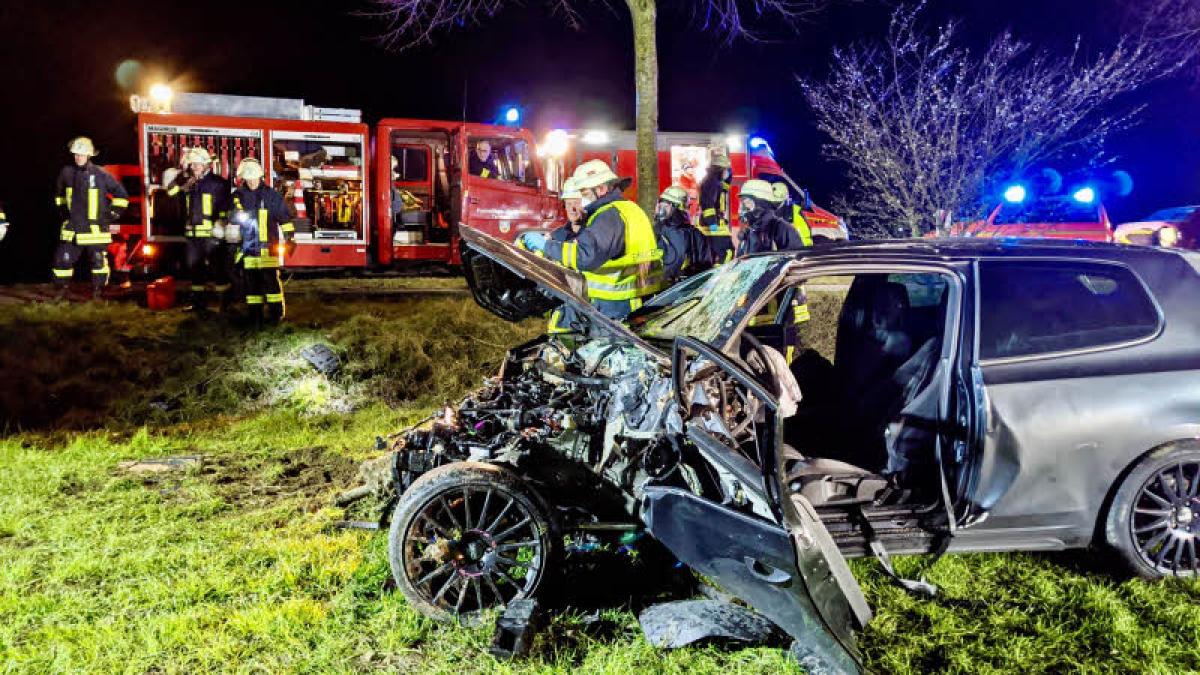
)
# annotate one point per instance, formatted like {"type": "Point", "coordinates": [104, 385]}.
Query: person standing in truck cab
{"type": "Point", "coordinates": [714, 205]}
{"type": "Point", "coordinates": [482, 162]}
{"type": "Point", "coordinates": [616, 251]}
{"type": "Point", "coordinates": [208, 196]}
{"type": "Point", "coordinates": [89, 199]}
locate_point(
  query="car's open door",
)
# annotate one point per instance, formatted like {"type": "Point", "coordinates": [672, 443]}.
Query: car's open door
{"type": "Point", "coordinates": [785, 566]}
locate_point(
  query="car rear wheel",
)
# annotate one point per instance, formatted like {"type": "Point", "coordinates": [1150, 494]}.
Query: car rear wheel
{"type": "Point", "coordinates": [1154, 521]}
{"type": "Point", "coordinates": [467, 537]}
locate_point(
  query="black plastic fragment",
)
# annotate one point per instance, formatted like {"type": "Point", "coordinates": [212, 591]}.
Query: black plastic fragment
{"type": "Point", "coordinates": [516, 629]}
{"type": "Point", "coordinates": [671, 625]}
{"type": "Point", "coordinates": [322, 358]}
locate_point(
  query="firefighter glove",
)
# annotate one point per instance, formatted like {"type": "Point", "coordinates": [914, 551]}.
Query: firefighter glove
{"type": "Point", "coordinates": [534, 241]}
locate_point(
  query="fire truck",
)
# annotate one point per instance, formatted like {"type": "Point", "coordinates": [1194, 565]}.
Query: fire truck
{"type": "Point", "coordinates": [389, 194]}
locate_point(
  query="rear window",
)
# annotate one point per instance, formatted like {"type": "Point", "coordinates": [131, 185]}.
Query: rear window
{"type": "Point", "coordinates": [1031, 308]}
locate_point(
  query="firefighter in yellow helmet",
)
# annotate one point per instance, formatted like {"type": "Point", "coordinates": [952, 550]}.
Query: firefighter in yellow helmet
{"type": "Point", "coordinates": [714, 205]}
{"type": "Point", "coordinates": [763, 230]}
{"type": "Point", "coordinates": [790, 211]}
{"type": "Point", "coordinates": [207, 195]}
{"type": "Point", "coordinates": [262, 217]}
{"type": "Point", "coordinates": [616, 250]}
{"type": "Point", "coordinates": [89, 199]}
{"type": "Point", "coordinates": [685, 250]}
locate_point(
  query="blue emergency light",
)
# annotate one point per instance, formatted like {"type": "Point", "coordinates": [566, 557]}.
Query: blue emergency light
{"type": "Point", "coordinates": [512, 115]}
{"type": "Point", "coordinates": [1015, 194]}
{"type": "Point", "coordinates": [1084, 195]}
{"type": "Point", "coordinates": [757, 142]}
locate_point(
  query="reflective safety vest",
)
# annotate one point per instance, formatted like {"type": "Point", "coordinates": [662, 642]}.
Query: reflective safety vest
{"type": "Point", "coordinates": [638, 272]}
{"type": "Point", "coordinates": [801, 224]}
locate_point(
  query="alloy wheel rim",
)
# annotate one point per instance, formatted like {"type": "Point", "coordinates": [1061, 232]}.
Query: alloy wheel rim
{"type": "Point", "coordinates": [1165, 522]}
{"type": "Point", "coordinates": [473, 548]}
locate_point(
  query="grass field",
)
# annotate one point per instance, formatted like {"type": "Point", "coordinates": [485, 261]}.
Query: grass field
{"type": "Point", "coordinates": [233, 565]}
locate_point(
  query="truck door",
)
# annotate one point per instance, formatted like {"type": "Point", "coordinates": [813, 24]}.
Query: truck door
{"type": "Point", "coordinates": [511, 199]}
{"type": "Point", "coordinates": [787, 567]}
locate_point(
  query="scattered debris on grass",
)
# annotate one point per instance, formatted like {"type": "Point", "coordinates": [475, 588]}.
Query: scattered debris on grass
{"type": "Point", "coordinates": [671, 625]}
{"type": "Point", "coordinates": [159, 465]}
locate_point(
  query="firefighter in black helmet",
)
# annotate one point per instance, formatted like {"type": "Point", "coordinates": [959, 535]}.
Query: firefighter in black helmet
{"type": "Point", "coordinates": [208, 206]}
{"type": "Point", "coordinates": [714, 205]}
{"type": "Point", "coordinates": [89, 198]}
{"type": "Point", "coordinates": [261, 215]}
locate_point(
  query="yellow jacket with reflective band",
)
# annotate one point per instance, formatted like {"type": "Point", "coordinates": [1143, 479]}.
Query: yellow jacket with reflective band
{"type": "Point", "coordinates": [87, 196]}
{"type": "Point", "coordinates": [637, 272]}
{"type": "Point", "coordinates": [801, 224]}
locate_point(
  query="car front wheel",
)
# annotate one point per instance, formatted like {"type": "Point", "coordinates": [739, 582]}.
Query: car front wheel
{"type": "Point", "coordinates": [1154, 519]}
{"type": "Point", "coordinates": [466, 537]}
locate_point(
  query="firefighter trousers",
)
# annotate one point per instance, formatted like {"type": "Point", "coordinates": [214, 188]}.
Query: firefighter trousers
{"type": "Point", "coordinates": [67, 255]}
{"type": "Point", "coordinates": [203, 266]}
{"type": "Point", "coordinates": [263, 289]}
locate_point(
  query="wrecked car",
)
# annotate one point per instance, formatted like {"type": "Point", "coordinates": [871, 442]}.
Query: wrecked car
{"type": "Point", "coordinates": [979, 396]}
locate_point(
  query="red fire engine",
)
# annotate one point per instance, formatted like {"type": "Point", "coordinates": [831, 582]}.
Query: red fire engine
{"type": "Point", "coordinates": [383, 196]}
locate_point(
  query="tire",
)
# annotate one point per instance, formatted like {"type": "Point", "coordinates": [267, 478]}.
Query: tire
{"type": "Point", "coordinates": [1154, 520]}
{"type": "Point", "coordinates": [469, 536]}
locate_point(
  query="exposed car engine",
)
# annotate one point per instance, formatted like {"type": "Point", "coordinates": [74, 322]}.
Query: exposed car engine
{"type": "Point", "coordinates": [561, 417]}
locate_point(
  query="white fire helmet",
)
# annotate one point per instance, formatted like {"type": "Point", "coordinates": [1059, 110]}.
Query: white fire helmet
{"type": "Point", "coordinates": [249, 169]}
{"type": "Point", "coordinates": [197, 156]}
{"type": "Point", "coordinates": [82, 145]}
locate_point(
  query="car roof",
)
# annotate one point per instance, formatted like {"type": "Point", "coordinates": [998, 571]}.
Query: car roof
{"type": "Point", "coordinates": [970, 248]}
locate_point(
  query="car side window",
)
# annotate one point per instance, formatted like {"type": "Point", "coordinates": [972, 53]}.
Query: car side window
{"type": "Point", "coordinates": [1029, 308]}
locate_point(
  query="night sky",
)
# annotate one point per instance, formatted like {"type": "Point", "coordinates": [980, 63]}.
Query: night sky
{"type": "Point", "coordinates": [59, 59]}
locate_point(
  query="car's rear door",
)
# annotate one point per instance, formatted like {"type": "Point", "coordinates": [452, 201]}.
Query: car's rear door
{"type": "Point", "coordinates": [786, 566]}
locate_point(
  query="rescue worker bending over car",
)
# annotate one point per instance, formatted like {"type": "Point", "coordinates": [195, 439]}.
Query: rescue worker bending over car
{"type": "Point", "coordinates": [263, 218]}
{"type": "Point", "coordinates": [616, 250]}
{"type": "Point", "coordinates": [714, 206]}
{"type": "Point", "coordinates": [763, 231]}
{"type": "Point", "coordinates": [573, 204]}
{"type": "Point", "coordinates": [685, 250]}
{"type": "Point", "coordinates": [207, 197]}
{"type": "Point", "coordinates": [89, 198]}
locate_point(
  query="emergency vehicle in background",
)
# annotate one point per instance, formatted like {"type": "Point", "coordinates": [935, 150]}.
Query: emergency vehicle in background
{"type": "Point", "coordinates": [381, 196]}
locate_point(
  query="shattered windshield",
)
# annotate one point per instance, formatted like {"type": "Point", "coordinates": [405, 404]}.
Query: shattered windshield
{"type": "Point", "coordinates": [702, 306]}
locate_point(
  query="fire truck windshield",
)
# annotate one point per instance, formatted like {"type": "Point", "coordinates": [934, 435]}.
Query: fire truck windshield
{"type": "Point", "coordinates": [1048, 210]}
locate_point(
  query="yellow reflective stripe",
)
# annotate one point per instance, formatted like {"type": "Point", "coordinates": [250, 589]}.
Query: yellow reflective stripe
{"type": "Point", "coordinates": [485, 173]}
{"type": "Point", "coordinates": [90, 239]}
{"type": "Point", "coordinates": [791, 353]}
{"type": "Point", "coordinates": [288, 227]}
{"type": "Point", "coordinates": [60, 201]}
{"type": "Point", "coordinates": [254, 299]}
{"type": "Point", "coordinates": [262, 226]}
{"type": "Point", "coordinates": [553, 326]}
{"type": "Point", "coordinates": [70, 193]}
{"type": "Point", "coordinates": [66, 235]}
{"type": "Point", "coordinates": [639, 271]}
{"type": "Point", "coordinates": [173, 190]}
{"type": "Point", "coordinates": [60, 274]}
{"type": "Point", "coordinates": [206, 204]}
{"type": "Point", "coordinates": [120, 202]}
{"type": "Point", "coordinates": [103, 269]}
{"type": "Point", "coordinates": [709, 212]}
{"type": "Point", "coordinates": [801, 313]}
{"type": "Point", "coordinates": [93, 203]}
{"type": "Point", "coordinates": [570, 255]}
{"type": "Point", "coordinates": [251, 262]}
{"type": "Point", "coordinates": [801, 224]}
{"type": "Point", "coordinates": [267, 261]}
{"type": "Point", "coordinates": [274, 297]}
{"type": "Point", "coordinates": [635, 304]}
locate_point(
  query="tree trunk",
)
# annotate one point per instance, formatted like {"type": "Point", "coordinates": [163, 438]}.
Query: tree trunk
{"type": "Point", "coordinates": [643, 14]}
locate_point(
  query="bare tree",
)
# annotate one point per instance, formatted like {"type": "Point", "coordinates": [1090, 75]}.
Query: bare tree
{"type": "Point", "coordinates": [414, 22]}
{"type": "Point", "coordinates": [924, 125]}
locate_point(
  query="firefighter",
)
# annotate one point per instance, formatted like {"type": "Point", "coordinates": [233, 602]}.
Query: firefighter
{"type": "Point", "coordinates": [562, 319]}
{"type": "Point", "coordinates": [685, 250]}
{"type": "Point", "coordinates": [3, 223]}
{"type": "Point", "coordinates": [714, 205]}
{"type": "Point", "coordinates": [792, 212]}
{"type": "Point", "coordinates": [89, 198]}
{"type": "Point", "coordinates": [262, 217]}
{"type": "Point", "coordinates": [207, 195]}
{"type": "Point", "coordinates": [616, 250]}
{"type": "Point", "coordinates": [483, 162]}
{"type": "Point", "coordinates": [764, 230]}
